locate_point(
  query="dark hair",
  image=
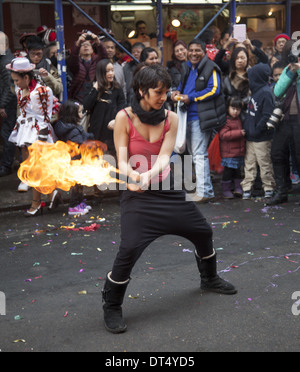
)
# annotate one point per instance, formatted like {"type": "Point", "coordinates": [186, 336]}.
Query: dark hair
{"type": "Point", "coordinates": [235, 102]}
{"type": "Point", "coordinates": [199, 42]}
{"type": "Point", "coordinates": [68, 112]}
{"type": "Point", "coordinates": [234, 57]}
{"type": "Point", "coordinates": [286, 51]}
{"type": "Point", "coordinates": [101, 76]}
{"type": "Point", "coordinates": [278, 64]}
{"type": "Point", "coordinates": [150, 77]}
{"type": "Point", "coordinates": [126, 44]}
{"type": "Point", "coordinates": [224, 32]}
{"type": "Point", "coordinates": [138, 44]}
{"type": "Point", "coordinates": [145, 53]}
{"type": "Point", "coordinates": [23, 74]}
{"type": "Point", "coordinates": [34, 43]}
{"type": "Point", "coordinates": [207, 36]}
{"type": "Point", "coordinates": [140, 23]}
{"type": "Point", "coordinates": [176, 63]}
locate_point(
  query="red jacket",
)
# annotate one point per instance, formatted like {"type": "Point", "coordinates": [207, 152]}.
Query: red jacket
{"type": "Point", "coordinates": [232, 141]}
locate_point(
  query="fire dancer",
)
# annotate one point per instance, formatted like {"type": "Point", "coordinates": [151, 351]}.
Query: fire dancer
{"type": "Point", "coordinates": [35, 104]}
{"type": "Point", "coordinates": [148, 211]}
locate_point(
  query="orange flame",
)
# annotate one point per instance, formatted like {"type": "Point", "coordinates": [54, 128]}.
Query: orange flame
{"type": "Point", "coordinates": [61, 165]}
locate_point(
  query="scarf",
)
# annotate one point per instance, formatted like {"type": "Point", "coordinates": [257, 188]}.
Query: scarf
{"type": "Point", "coordinates": [153, 117]}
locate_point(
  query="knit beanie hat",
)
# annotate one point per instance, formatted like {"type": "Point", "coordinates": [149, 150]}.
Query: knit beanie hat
{"type": "Point", "coordinates": [285, 36]}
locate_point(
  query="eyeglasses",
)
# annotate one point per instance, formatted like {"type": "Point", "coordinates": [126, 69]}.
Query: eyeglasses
{"type": "Point", "coordinates": [36, 54]}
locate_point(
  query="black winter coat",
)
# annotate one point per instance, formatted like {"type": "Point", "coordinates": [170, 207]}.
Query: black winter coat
{"type": "Point", "coordinates": [261, 104]}
{"type": "Point", "coordinates": [71, 132]}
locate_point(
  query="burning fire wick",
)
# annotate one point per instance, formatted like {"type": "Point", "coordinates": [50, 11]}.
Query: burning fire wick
{"type": "Point", "coordinates": [63, 165]}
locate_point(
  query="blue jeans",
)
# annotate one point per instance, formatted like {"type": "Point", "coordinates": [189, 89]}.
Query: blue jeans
{"type": "Point", "coordinates": [197, 144]}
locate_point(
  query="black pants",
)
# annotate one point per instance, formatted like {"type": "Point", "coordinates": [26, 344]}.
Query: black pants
{"type": "Point", "coordinates": [152, 214]}
{"type": "Point", "coordinates": [6, 129]}
{"type": "Point", "coordinates": [286, 137]}
{"type": "Point", "coordinates": [230, 174]}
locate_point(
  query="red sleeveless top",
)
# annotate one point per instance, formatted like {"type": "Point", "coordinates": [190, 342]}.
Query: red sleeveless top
{"type": "Point", "coordinates": [143, 154]}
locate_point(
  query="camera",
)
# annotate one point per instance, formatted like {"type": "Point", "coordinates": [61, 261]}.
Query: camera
{"type": "Point", "coordinates": [276, 116]}
{"type": "Point", "coordinates": [292, 58]}
{"type": "Point", "coordinates": [88, 36]}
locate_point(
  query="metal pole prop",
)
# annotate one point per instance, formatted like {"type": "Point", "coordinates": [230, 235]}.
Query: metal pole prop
{"type": "Point", "coordinates": [103, 30]}
{"type": "Point", "coordinates": [61, 51]}
{"type": "Point", "coordinates": [232, 15]}
{"type": "Point", "coordinates": [159, 28]}
{"type": "Point", "coordinates": [213, 18]}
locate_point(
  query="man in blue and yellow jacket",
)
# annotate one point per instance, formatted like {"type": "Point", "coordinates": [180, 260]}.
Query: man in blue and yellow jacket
{"type": "Point", "coordinates": [201, 91]}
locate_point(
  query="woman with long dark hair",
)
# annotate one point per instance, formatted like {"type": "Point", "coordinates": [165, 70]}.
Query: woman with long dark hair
{"type": "Point", "coordinates": [179, 56]}
{"type": "Point", "coordinates": [236, 84]}
{"type": "Point", "coordinates": [103, 102]}
{"type": "Point", "coordinates": [144, 136]}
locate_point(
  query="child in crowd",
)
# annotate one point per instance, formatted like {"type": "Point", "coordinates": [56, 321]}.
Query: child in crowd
{"type": "Point", "coordinates": [232, 149]}
{"type": "Point", "coordinates": [67, 129]}
{"type": "Point", "coordinates": [258, 135]}
{"type": "Point", "coordinates": [277, 70]}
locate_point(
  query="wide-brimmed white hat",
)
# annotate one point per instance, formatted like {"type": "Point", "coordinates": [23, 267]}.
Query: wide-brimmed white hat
{"type": "Point", "coordinates": [20, 64]}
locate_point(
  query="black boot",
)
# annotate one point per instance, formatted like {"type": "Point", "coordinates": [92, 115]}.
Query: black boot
{"type": "Point", "coordinates": [281, 195]}
{"type": "Point", "coordinates": [113, 295]}
{"type": "Point", "coordinates": [210, 280]}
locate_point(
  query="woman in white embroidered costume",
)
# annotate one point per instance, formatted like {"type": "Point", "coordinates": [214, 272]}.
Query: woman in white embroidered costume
{"type": "Point", "coordinates": [33, 124]}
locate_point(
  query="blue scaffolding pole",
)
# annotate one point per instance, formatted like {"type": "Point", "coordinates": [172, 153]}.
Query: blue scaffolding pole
{"type": "Point", "coordinates": [213, 18]}
{"type": "Point", "coordinates": [61, 51]}
{"type": "Point", "coordinates": [159, 27]}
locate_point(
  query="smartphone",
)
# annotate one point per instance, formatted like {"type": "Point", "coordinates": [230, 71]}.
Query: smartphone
{"type": "Point", "coordinates": [240, 32]}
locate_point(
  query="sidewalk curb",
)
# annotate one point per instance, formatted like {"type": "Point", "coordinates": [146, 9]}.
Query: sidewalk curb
{"type": "Point", "coordinates": [66, 200]}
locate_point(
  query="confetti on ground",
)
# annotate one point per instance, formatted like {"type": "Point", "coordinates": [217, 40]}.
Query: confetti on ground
{"type": "Point", "coordinates": [134, 297]}
{"type": "Point", "coordinates": [92, 227]}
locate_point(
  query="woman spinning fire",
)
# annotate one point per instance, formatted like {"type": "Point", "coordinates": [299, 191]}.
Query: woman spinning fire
{"type": "Point", "coordinates": [148, 211]}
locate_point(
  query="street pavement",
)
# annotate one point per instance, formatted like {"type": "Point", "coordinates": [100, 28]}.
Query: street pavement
{"type": "Point", "coordinates": [53, 267]}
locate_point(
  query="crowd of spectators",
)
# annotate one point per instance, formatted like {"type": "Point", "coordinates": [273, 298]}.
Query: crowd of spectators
{"type": "Point", "coordinates": [230, 91]}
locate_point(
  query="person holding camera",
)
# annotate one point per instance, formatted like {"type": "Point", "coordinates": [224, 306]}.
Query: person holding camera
{"type": "Point", "coordinates": [287, 124]}
{"type": "Point", "coordinates": [82, 64]}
